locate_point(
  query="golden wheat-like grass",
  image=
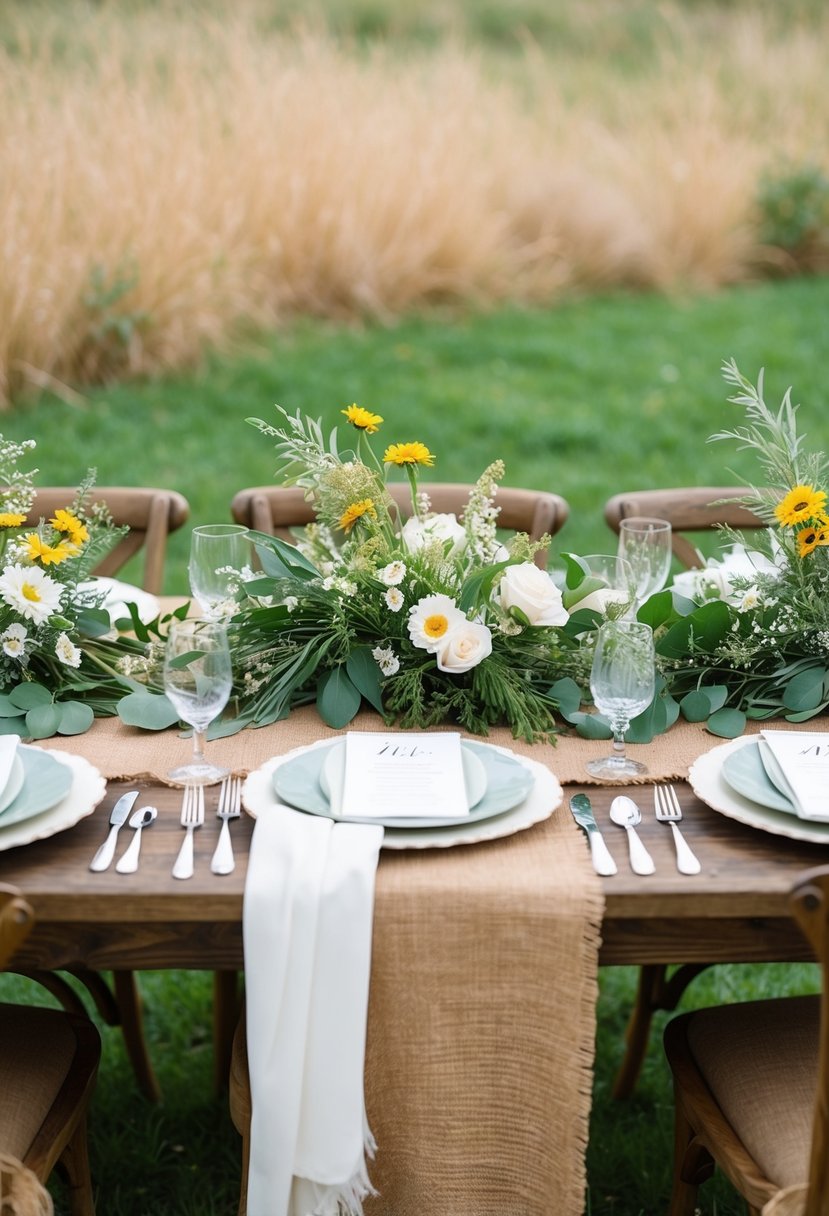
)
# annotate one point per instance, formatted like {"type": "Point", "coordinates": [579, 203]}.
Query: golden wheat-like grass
{"type": "Point", "coordinates": [163, 180]}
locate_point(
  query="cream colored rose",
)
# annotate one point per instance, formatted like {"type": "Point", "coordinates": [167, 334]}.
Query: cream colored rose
{"type": "Point", "coordinates": [419, 532]}
{"type": "Point", "coordinates": [533, 592]}
{"type": "Point", "coordinates": [467, 645]}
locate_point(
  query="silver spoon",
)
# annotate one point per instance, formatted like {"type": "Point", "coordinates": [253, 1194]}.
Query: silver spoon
{"type": "Point", "coordinates": [139, 819]}
{"type": "Point", "coordinates": [625, 813]}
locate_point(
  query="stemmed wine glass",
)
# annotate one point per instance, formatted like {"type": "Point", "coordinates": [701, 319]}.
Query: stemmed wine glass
{"type": "Point", "coordinates": [197, 679]}
{"type": "Point", "coordinates": [613, 588]}
{"type": "Point", "coordinates": [645, 543]}
{"type": "Point", "coordinates": [622, 681]}
{"type": "Point", "coordinates": [218, 554]}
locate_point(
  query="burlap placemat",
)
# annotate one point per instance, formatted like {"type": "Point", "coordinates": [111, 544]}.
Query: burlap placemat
{"type": "Point", "coordinates": [123, 752]}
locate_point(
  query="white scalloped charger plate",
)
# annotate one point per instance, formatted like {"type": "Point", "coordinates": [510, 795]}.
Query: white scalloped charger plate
{"type": "Point", "coordinates": [87, 790]}
{"type": "Point", "coordinates": [259, 797]}
{"type": "Point", "coordinates": [708, 783]}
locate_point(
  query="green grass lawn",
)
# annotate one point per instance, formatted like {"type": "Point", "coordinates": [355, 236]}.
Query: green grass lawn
{"type": "Point", "coordinates": [587, 399]}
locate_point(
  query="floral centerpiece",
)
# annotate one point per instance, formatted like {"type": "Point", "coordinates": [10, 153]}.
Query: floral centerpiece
{"type": "Point", "coordinates": [748, 636]}
{"type": "Point", "coordinates": [56, 657]}
{"type": "Point", "coordinates": [428, 618]}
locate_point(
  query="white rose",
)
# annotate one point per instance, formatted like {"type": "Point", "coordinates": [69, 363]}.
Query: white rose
{"type": "Point", "coordinates": [534, 593]}
{"type": "Point", "coordinates": [467, 645]}
{"type": "Point", "coordinates": [418, 532]}
{"type": "Point", "coordinates": [601, 600]}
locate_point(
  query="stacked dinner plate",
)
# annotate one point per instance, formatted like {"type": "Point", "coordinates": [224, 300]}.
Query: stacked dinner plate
{"type": "Point", "coordinates": [743, 781]}
{"type": "Point", "coordinates": [505, 792]}
{"type": "Point", "coordinates": [42, 792]}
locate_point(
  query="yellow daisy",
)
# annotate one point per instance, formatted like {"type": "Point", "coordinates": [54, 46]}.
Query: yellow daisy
{"type": "Point", "coordinates": [10, 519]}
{"type": "Point", "coordinates": [408, 453]}
{"type": "Point", "coordinates": [75, 529]}
{"type": "Point", "coordinates": [362, 419]}
{"type": "Point", "coordinates": [800, 504]}
{"type": "Point", "coordinates": [356, 511]}
{"type": "Point", "coordinates": [38, 551]}
{"type": "Point", "coordinates": [807, 540]}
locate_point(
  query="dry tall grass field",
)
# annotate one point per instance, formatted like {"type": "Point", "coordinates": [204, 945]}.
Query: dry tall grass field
{"type": "Point", "coordinates": [167, 175]}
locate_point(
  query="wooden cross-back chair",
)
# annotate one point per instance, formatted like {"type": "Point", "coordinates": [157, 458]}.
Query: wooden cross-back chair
{"type": "Point", "coordinates": [48, 1065]}
{"type": "Point", "coordinates": [687, 509]}
{"type": "Point", "coordinates": [277, 509]}
{"type": "Point", "coordinates": [150, 514]}
{"type": "Point", "coordinates": [751, 1087]}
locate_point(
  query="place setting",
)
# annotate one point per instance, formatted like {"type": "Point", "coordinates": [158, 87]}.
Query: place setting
{"type": "Point", "coordinates": [42, 792]}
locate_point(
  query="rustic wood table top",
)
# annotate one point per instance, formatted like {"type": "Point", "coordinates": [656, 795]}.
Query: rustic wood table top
{"type": "Point", "coordinates": [734, 910]}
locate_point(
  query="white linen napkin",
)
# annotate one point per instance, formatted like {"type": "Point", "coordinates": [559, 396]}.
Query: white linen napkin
{"type": "Point", "coordinates": [307, 924]}
{"type": "Point", "coordinates": [799, 767]}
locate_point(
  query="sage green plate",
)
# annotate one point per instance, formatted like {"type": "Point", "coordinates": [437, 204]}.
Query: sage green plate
{"type": "Point", "coordinates": [508, 782]}
{"type": "Point", "coordinates": [745, 772]}
{"type": "Point", "coordinates": [45, 782]}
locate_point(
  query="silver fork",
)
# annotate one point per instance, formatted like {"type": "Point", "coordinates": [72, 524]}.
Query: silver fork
{"type": "Point", "coordinates": [667, 810]}
{"type": "Point", "coordinates": [230, 798]}
{"type": "Point", "coordinates": [192, 817]}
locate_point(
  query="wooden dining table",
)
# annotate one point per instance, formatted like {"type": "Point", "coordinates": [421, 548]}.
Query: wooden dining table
{"type": "Point", "coordinates": [734, 910]}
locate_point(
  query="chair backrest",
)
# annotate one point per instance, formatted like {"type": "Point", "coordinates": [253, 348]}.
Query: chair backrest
{"type": "Point", "coordinates": [277, 509]}
{"type": "Point", "coordinates": [687, 509]}
{"type": "Point", "coordinates": [810, 905]}
{"type": "Point", "coordinates": [16, 921]}
{"type": "Point", "coordinates": [150, 514]}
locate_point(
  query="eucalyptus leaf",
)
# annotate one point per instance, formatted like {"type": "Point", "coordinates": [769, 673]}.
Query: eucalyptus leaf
{"type": "Point", "coordinates": [27, 696]}
{"type": "Point", "coordinates": [567, 695]}
{"type": "Point", "coordinates": [591, 726]}
{"type": "Point", "coordinates": [366, 676]}
{"type": "Point", "coordinates": [805, 691]}
{"type": "Point", "coordinates": [652, 721]}
{"type": "Point", "coordinates": [42, 721]}
{"type": "Point", "coordinates": [149, 710]}
{"type": "Point", "coordinates": [727, 723]}
{"type": "Point", "coordinates": [13, 726]}
{"type": "Point", "coordinates": [696, 706]}
{"type": "Point", "coordinates": [8, 709]}
{"type": "Point", "coordinates": [806, 714]}
{"type": "Point", "coordinates": [94, 622]}
{"type": "Point", "coordinates": [338, 698]}
{"type": "Point", "coordinates": [75, 718]}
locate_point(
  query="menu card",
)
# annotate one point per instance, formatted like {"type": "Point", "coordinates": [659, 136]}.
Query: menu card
{"type": "Point", "coordinates": [803, 761]}
{"type": "Point", "coordinates": [395, 774]}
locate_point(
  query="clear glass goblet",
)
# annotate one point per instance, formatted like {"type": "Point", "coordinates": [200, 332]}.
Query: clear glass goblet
{"type": "Point", "coordinates": [218, 554]}
{"type": "Point", "coordinates": [197, 679]}
{"type": "Point", "coordinates": [646, 544]}
{"type": "Point", "coordinates": [622, 681]}
{"type": "Point", "coordinates": [612, 590]}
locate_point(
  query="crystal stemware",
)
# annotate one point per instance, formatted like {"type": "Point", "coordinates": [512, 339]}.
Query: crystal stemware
{"type": "Point", "coordinates": [198, 680]}
{"type": "Point", "coordinates": [218, 555]}
{"type": "Point", "coordinates": [646, 544]}
{"type": "Point", "coordinates": [612, 587]}
{"type": "Point", "coordinates": [622, 681]}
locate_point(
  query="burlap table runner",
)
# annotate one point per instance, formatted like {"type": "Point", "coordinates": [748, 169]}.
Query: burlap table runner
{"type": "Point", "coordinates": [123, 752]}
{"type": "Point", "coordinates": [483, 998]}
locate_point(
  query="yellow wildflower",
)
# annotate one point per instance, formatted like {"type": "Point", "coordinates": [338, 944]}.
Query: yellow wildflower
{"type": "Point", "coordinates": [408, 453]}
{"type": "Point", "coordinates": [356, 511]}
{"type": "Point", "coordinates": [362, 419]}
{"type": "Point", "coordinates": [800, 504]}
{"type": "Point", "coordinates": [10, 519]}
{"type": "Point", "coordinates": [38, 551]}
{"type": "Point", "coordinates": [807, 540]}
{"type": "Point", "coordinates": [75, 529]}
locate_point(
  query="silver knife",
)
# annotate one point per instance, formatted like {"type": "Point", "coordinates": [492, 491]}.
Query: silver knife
{"type": "Point", "coordinates": [603, 863]}
{"type": "Point", "coordinates": [117, 818]}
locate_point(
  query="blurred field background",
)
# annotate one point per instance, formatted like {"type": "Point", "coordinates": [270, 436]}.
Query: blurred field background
{"type": "Point", "coordinates": [530, 229]}
{"type": "Point", "coordinates": [175, 174]}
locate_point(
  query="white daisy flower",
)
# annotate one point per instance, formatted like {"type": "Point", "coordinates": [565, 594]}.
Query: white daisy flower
{"type": "Point", "coordinates": [394, 599]}
{"type": "Point", "coordinates": [14, 641]}
{"type": "Point", "coordinates": [392, 574]}
{"type": "Point", "coordinates": [30, 592]}
{"type": "Point", "coordinates": [386, 660]}
{"type": "Point", "coordinates": [67, 652]}
{"type": "Point", "coordinates": [431, 621]}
